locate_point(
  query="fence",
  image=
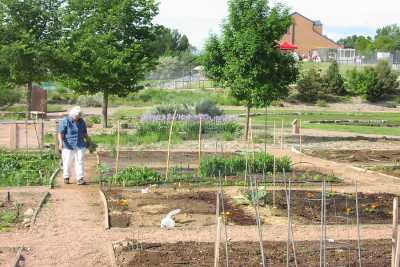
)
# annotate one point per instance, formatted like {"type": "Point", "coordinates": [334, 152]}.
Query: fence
{"type": "Point", "coordinates": [21, 135]}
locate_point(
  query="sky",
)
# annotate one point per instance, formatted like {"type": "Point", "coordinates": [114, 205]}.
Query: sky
{"type": "Point", "coordinates": [198, 18]}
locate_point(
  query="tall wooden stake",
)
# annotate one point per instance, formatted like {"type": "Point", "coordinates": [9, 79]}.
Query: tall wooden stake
{"type": "Point", "coordinates": [300, 137]}
{"type": "Point", "coordinates": [274, 183]}
{"type": "Point", "coordinates": [199, 147]}
{"type": "Point", "coordinates": [274, 132]}
{"type": "Point", "coordinates": [395, 228]}
{"type": "Point", "coordinates": [282, 136]}
{"type": "Point", "coordinates": [218, 234]}
{"type": "Point", "coordinates": [118, 147]}
{"type": "Point", "coordinates": [169, 145]}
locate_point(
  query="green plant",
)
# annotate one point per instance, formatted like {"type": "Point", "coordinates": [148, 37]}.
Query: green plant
{"type": "Point", "coordinates": [181, 109]}
{"type": "Point", "coordinates": [91, 100]}
{"type": "Point", "coordinates": [93, 119]}
{"type": "Point", "coordinates": [135, 176]}
{"type": "Point", "coordinates": [259, 163]}
{"type": "Point", "coordinates": [209, 108]}
{"type": "Point", "coordinates": [26, 169]}
{"type": "Point", "coordinates": [334, 82]}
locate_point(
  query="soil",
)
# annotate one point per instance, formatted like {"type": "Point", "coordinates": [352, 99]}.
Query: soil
{"type": "Point", "coordinates": [358, 156]}
{"type": "Point", "coordinates": [7, 256]}
{"type": "Point", "coordinates": [340, 208]}
{"type": "Point", "coordinates": [19, 203]}
{"type": "Point", "coordinates": [154, 159]}
{"type": "Point", "coordinates": [130, 253]}
{"type": "Point", "coordinates": [198, 207]}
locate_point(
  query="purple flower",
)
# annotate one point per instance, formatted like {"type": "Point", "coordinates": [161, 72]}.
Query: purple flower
{"type": "Point", "coordinates": [188, 118]}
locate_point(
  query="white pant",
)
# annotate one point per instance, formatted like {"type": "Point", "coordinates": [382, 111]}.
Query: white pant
{"type": "Point", "coordinates": [76, 155]}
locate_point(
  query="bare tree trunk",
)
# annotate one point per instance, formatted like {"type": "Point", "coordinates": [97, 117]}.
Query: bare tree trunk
{"type": "Point", "coordinates": [105, 109]}
{"type": "Point", "coordinates": [247, 122]}
{"type": "Point", "coordinates": [29, 100]}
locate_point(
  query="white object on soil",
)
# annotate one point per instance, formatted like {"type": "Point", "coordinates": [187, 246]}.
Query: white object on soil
{"type": "Point", "coordinates": [145, 190]}
{"type": "Point", "coordinates": [169, 221]}
{"type": "Point", "coordinates": [28, 213]}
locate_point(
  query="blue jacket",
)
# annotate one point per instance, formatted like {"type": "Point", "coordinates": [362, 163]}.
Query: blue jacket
{"type": "Point", "coordinates": [74, 133]}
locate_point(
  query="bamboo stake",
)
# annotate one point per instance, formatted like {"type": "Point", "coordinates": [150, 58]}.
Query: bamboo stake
{"type": "Point", "coordinates": [199, 147]}
{"type": "Point", "coordinates": [397, 258]}
{"type": "Point", "coordinates": [282, 136]}
{"type": "Point", "coordinates": [395, 228]}
{"type": "Point", "coordinates": [169, 145]}
{"type": "Point", "coordinates": [300, 137]}
{"type": "Point", "coordinates": [274, 132]}
{"type": "Point", "coordinates": [251, 139]}
{"type": "Point", "coordinates": [118, 147]}
{"type": "Point", "coordinates": [218, 234]}
{"type": "Point", "coordinates": [274, 183]}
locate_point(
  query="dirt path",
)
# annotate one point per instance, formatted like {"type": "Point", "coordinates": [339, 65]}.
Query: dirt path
{"type": "Point", "coordinates": [69, 229]}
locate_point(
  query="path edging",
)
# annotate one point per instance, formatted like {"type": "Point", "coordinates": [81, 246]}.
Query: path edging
{"type": "Point", "coordinates": [39, 207]}
{"type": "Point", "coordinates": [112, 255]}
{"type": "Point", "coordinates": [53, 176]}
{"type": "Point", "coordinates": [105, 208]}
{"type": "Point", "coordinates": [17, 257]}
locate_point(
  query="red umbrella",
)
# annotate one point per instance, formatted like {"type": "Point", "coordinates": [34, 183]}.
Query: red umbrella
{"type": "Point", "coordinates": [287, 46]}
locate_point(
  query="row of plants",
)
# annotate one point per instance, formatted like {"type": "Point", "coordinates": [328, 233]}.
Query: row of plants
{"type": "Point", "coordinates": [26, 168]}
{"type": "Point", "coordinates": [253, 163]}
{"type": "Point", "coordinates": [371, 83]}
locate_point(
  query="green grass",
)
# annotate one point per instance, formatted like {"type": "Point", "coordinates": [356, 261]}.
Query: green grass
{"type": "Point", "coordinates": [323, 66]}
{"type": "Point", "coordinates": [355, 129]}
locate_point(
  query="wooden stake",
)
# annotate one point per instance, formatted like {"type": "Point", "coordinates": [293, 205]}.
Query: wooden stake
{"type": "Point", "coordinates": [251, 138]}
{"type": "Point", "coordinates": [199, 147]}
{"type": "Point", "coordinates": [274, 132]}
{"type": "Point", "coordinates": [397, 257]}
{"type": "Point", "coordinates": [395, 228]}
{"type": "Point", "coordinates": [282, 136]}
{"type": "Point", "coordinates": [300, 137]}
{"type": "Point", "coordinates": [118, 148]}
{"type": "Point", "coordinates": [169, 145]}
{"type": "Point", "coordinates": [218, 234]}
{"type": "Point", "coordinates": [274, 183]}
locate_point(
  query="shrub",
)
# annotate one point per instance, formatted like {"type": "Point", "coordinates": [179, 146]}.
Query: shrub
{"type": "Point", "coordinates": [387, 77]}
{"type": "Point", "coordinates": [91, 100]}
{"type": "Point", "coordinates": [62, 95]}
{"type": "Point", "coordinates": [310, 86]}
{"type": "Point", "coordinates": [321, 103]}
{"type": "Point", "coordinates": [334, 81]}
{"type": "Point", "coordinates": [135, 176]}
{"type": "Point", "coordinates": [93, 119]}
{"type": "Point", "coordinates": [208, 107]}
{"type": "Point", "coordinates": [261, 162]}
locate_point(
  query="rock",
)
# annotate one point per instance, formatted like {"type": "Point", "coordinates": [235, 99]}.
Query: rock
{"type": "Point", "coordinates": [28, 213]}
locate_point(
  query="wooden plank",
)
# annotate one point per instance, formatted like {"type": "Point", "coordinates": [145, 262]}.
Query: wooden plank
{"type": "Point", "coordinates": [395, 228]}
{"type": "Point", "coordinates": [105, 208]}
{"type": "Point", "coordinates": [39, 207]}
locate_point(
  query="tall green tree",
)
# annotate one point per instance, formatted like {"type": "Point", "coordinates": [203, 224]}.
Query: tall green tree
{"type": "Point", "coordinates": [387, 38]}
{"type": "Point", "coordinates": [334, 81]}
{"type": "Point", "coordinates": [213, 59]}
{"type": "Point", "coordinates": [29, 31]}
{"type": "Point", "coordinates": [107, 46]}
{"type": "Point", "coordinates": [254, 69]}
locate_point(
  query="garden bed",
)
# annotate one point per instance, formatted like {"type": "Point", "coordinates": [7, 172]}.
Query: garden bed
{"type": "Point", "coordinates": [26, 168]}
{"type": "Point", "coordinates": [362, 157]}
{"type": "Point", "coordinates": [17, 213]}
{"type": "Point", "coordinates": [340, 208]}
{"type": "Point", "coordinates": [131, 253]}
{"type": "Point", "coordinates": [131, 207]}
{"type": "Point", "coordinates": [392, 170]}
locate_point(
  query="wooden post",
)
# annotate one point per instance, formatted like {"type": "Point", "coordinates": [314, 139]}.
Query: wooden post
{"type": "Point", "coordinates": [395, 228]}
{"type": "Point", "coordinates": [13, 136]}
{"type": "Point", "coordinates": [251, 138]}
{"type": "Point", "coordinates": [169, 145]}
{"type": "Point", "coordinates": [274, 132]}
{"type": "Point", "coordinates": [199, 147]}
{"type": "Point", "coordinates": [118, 147]}
{"type": "Point", "coordinates": [218, 234]}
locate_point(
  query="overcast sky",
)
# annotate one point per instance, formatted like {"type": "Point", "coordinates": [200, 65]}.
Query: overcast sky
{"type": "Point", "coordinates": [198, 18]}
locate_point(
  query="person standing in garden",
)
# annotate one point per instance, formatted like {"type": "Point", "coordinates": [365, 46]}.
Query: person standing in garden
{"type": "Point", "coordinates": [73, 139]}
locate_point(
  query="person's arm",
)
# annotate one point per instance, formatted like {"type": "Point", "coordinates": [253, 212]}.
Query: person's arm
{"type": "Point", "coordinates": [60, 141]}
{"type": "Point", "coordinates": [62, 129]}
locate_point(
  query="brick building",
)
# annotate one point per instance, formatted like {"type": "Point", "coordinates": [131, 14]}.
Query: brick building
{"type": "Point", "coordinates": [307, 35]}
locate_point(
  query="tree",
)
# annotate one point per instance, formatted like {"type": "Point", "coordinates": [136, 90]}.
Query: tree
{"type": "Point", "coordinates": [387, 38]}
{"type": "Point", "coordinates": [107, 46]}
{"type": "Point", "coordinates": [334, 81]}
{"type": "Point", "coordinates": [29, 31]}
{"type": "Point", "coordinates": [254, 69]}
{"type": "Point", "coordinates": [8, 95]}
{"type": "Point", "coordinates": [213, 59]}
{"type": "Point", "coordinates": [170, 42]}
{"type": "Point", "coordinates": [362, 44]}
{"type": "Point", "coordinates": [310, 85]}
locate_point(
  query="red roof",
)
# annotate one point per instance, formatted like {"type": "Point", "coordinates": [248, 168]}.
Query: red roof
{"type": "Point", "coordinates": [287, 46]}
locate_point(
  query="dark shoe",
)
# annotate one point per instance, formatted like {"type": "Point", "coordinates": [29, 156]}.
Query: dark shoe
{"type": "Point", "coordinates": [81, 182]}
{"type": "Point", "coordinates": [66, 180]}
